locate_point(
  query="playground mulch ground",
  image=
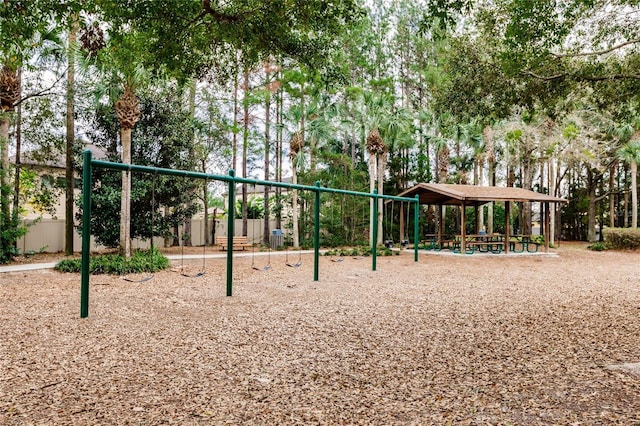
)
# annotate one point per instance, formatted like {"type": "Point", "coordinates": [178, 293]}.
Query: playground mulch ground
{"type": "Point", "coordinates": [476, 340]}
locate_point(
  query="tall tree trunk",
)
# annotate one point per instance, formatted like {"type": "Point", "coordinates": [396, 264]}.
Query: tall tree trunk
{"type": "Point", "coordinates": [16, 180]}
{"type": "Point", "coordinates": [10, 89]}
{"type": "Point", "coordinates": [205, 202]}
{"type": "Point", "coordinates": [128, 112]}
{"type": "Point", "coordinates": [491, 160]}
{"type": "Point", "coordinates": [552, 206]}
{"type": "Point", "coordinates": [295, 145]}
{"type": "Point", "coordinates": [591, 215]}
{"type": "Point", "coordinates": [592, 185]}
{"type": "Point", "coordinates": [5, 209]}
{"type": "Point", "coordinates": [294, 202]}
{"type": "Point", "coordinates": [382, 164]}
{"type": "Point", "coordinates": [125, 197]}
{"type": "Point", "coordinates": [187, 237]}
{"type": "Point", "coordinates": [278, 154]}
{"type": "Point", "coordinates": [372, 186]}
{"type": "Point", "coordinates": [267, 159]}
{"type": "Point", "coordinates": [70, 139]}
{"type": "Point", "coordinates": [625, 220]}
{"type": "Point", "coordinates": [245, 148]}
{"type": "Point", "coordinates": [634, 194]}
{"type": "Point", "coordinates": [612, 198]}
{"type": "Point", "coordinates": [234, 141]}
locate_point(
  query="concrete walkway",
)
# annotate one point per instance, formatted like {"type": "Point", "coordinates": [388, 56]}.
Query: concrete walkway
{"type": "Point", "coordinates": [223, 255]}
{"type": "Point", "coordinates": [51, 265]}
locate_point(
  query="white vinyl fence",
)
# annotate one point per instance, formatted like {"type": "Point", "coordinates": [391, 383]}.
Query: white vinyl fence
{"type": "Point", "coordinates": [47, 235]}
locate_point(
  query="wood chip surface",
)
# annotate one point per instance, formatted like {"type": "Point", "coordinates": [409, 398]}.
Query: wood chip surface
{"type": "Point", "coordinates": [464, 340]}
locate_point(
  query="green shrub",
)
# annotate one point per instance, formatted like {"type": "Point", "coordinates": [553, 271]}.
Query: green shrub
{"type": "Point", "coordinates": [385, 251]}
{"type": "Point", "coordinates": [597, 246]}
{"type": "Point", "coordinates": [140, 261]}
{"type": "Point", "coordinates": [361, 251]}
{"type": "Point", "coordinates": [539, 239]}
{"type": "Point", "coordinates": [622, 238]}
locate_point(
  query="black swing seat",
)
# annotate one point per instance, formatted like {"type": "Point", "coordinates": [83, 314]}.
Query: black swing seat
{"type": "Point", "coordinates": [294, 265]}
{"type": "Point", "coordinates": [264, 268]}
{"type": "Point", "coordinates": [199, 274]}
{"type": "Point", "coordinates": [141, 280]}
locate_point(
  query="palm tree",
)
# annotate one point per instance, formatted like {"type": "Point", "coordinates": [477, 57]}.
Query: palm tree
{"type": "Point", "coordinates": [119, 63]}
{"type": "Point", "coordinates": [630, 154]}
{"type": "Point", "coordinates": [295, 149]}
{"type": "Point", "coordinates": [377, 163]}
{"type": "Point", "coordinates": [19, 42]}
{"type": "Point", "coordinates": [9, 96]}
{"type": "Point", "coordinates": [70, 135]}
{"type": "Point", "coordinates": [490, 154]}
{"type": "Point", "coordinates": [128, 112]}
{"type": "Point", "coordinates": [386, 127]}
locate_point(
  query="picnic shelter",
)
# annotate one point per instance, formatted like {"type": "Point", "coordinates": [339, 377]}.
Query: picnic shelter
{"type": "Point", "coordinates": [475, 196]}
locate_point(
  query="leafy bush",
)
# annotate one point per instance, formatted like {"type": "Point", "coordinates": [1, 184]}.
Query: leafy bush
{"type": "Point", "coordinates": [10, 231]}
{"type": "Point", "coordinates": [539, 239]}
{"type": "Point", "coordinates": [140, 261]}
{"type": "Point", "coordinates": [386, 251]}
{"type": "Point", "coordinates": [597, 246]}
{"type": "Point", "coordinates": [622, 238]}
{"type": "Point", "coordinates": [361, 251]}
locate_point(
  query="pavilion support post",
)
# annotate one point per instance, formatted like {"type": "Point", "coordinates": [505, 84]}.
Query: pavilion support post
{"type": "Point", "coordinates": [463, 230]}
{"type": "Point", "coordinates": [476, 221]}
{"type": "Point", "coordinates": [443, 213]}
{"type": "Point", "coordinates": [541, 225]}
{"type": "Point", "coordinates": [402, 224]}
{"type": "Point", "coordinates": [547, 227]}
{"type": "Point", "coordinates": [507, 227]}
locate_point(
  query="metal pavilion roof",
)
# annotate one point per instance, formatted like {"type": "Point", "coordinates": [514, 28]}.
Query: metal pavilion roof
{"type": "Point", "coordinates": [472, 195]}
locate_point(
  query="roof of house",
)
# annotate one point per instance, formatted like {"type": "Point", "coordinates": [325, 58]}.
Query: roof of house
{"type": "Point", "coordinates": [470, 195]}
{"type": "Point", "coordinates": [259, 189]}
{"type": "Point", "coordinates": [32, 158]}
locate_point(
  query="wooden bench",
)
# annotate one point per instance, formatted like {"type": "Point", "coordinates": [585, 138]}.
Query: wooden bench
{"type": "Point", "coordinates": [238, 242]}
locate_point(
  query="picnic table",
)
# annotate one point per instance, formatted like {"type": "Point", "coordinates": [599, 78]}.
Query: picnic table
{"type": "Point", "coordinates": [437, 241]}
{"type": "Point", "coordinates": [495, 243]}
{"type": "Point", "coordinates": [484, 243]}
{"type": "Point", "coordinates": [522, 243]}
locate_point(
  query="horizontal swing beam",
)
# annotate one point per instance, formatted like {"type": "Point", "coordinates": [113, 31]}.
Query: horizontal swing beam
{"type": "Point", "coordinates": [231, 179]}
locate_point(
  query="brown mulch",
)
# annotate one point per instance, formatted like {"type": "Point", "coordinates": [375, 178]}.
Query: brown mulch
{"type": "Point", "coordinates": [450, 340]}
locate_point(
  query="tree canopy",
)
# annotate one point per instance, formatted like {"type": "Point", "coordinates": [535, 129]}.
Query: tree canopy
{"type": "Point", "coordinates": [356, 94]}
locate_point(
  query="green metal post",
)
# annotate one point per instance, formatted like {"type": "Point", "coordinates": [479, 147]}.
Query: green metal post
{"type": "Point", "coordinates": [316, 234]}
{"type": "Point", "coordinates": [231, 220]}
{"type": "Point", "coordinates": [416, 228]}
{"type": "Point", "coordinates": [374, 243]}
{"type": "Point", "coordinates": [86, 234]}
